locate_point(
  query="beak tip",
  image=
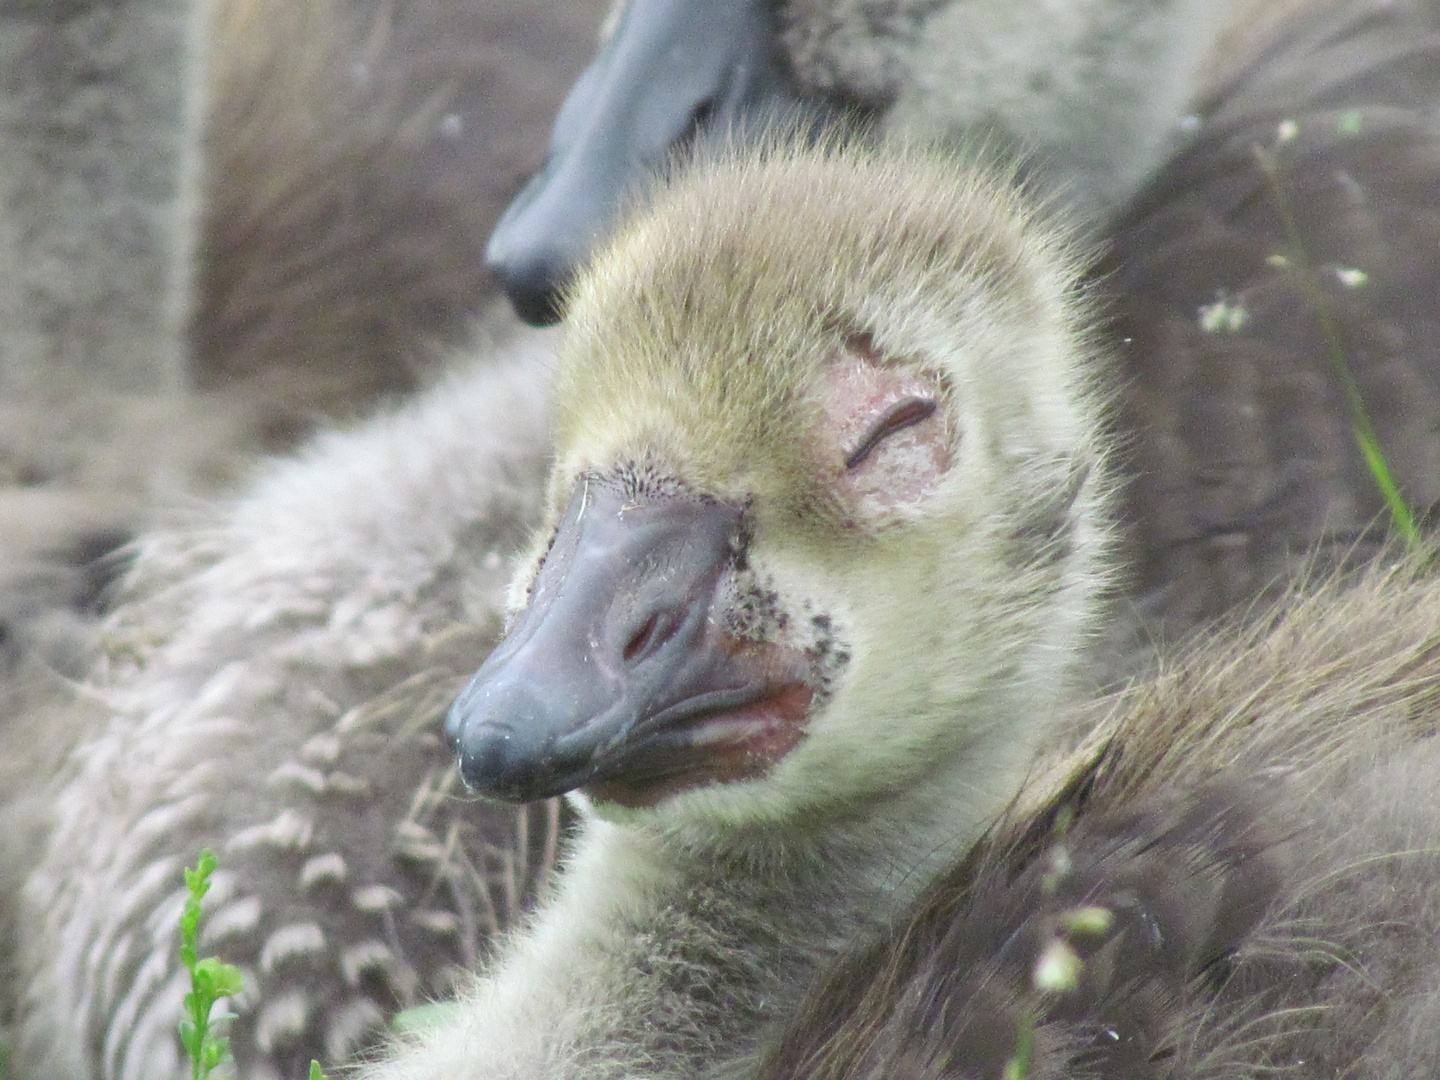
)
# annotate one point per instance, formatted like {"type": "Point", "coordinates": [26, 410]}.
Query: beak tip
{"type": "Point", "coordinates": [534, 250]}
{"type": "Point", "coordinates": [531, 283]}
{"type": "Point", "coordinates": [490, 766]}
{"type": "Point", "coordinates": [498, 758]}
{"type": "Point", "coordinates": [480, 745]}
{"type": "Point", "coordinates": [535, 307]}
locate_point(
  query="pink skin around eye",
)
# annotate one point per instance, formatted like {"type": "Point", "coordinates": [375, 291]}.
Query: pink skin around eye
{"type": "Point", "coordinates": [858, 390]}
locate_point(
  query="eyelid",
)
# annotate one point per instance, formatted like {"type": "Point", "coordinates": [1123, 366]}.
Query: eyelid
{"type": "Point", "coordinates": [907, 412]}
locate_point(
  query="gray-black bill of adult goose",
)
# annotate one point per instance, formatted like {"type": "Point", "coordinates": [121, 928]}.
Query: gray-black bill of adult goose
{"type": "Point", "coordinates": [1243, 879]}
{"type": "Point", "coordinates": [669, 71]}
{"type": "Point", "coordinates": [1263, 177]}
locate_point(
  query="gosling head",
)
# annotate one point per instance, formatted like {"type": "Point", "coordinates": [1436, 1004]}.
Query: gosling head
{"type": "Point", "coordinates": [825, 511]}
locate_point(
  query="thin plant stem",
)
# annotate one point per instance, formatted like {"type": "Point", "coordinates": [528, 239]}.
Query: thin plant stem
{"type": "Point", "coordinates": [210, 980]}
{"type": "Point", "coordinates": [1365, 437]}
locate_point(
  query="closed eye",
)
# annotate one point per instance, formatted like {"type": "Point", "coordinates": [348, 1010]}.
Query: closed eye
{"type": "Point", "coordinates": [907, 412]}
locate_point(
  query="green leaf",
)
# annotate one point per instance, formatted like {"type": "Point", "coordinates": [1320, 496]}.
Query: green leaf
{"type": "Point", "coordinates": [217, 979]}
{"type": "Point", "coordinates": [190, 1037]}
{"type": "Point", "coordinates": [211, 980]}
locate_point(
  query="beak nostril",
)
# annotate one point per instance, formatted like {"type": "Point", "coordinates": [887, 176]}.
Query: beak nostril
{"type": "Point", "coordinates": [653, 633]}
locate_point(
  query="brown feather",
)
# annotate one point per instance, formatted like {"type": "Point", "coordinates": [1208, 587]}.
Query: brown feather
{"type": "Point", "coordinates": [357, 156]}
{"type": "Point", "coordinates": [1233, 324]}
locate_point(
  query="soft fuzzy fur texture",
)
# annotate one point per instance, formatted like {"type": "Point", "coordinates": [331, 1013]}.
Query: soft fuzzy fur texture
{"type": "Point", "coordinates": [1262, 178]}
{"type": "Point", "coordinates": [1269, 234]}
{"type": "Point", "coordinates": [273, 682]}
{"type": "Point", "coordinates": [1206, 528]}
{"type": "Point", "coordinates": [1258, 822]}
{"type": "Point", "coordinates": [699, 352]}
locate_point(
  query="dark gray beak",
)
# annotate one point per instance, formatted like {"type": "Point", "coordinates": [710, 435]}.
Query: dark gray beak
{"type": "Point", "coordinates": [616, 658]}
{"type": "Point", "coordinates": [672, 70]}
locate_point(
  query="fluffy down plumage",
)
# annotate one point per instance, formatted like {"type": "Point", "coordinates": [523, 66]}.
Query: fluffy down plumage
{"type": "Point", "coordinates": [1338, 93]}
{"type": "Point", "coordinates": [297, 196]}
{"type": "Point", "coordinates": [273, 683]}
{"type": "Point", "coordinates": [1236, 863]}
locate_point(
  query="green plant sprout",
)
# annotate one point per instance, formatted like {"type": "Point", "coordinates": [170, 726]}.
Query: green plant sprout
{"type": "Point", "coordinates": [210, 980]}
{"type": "Point", "coordinates": [1017, 1066]}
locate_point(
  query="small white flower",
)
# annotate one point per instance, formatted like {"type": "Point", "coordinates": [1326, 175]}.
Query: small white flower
{"type": "Point", "coordinates": [1224, 316]}
{"type": "Point", "coordinates": [1058, 967]}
